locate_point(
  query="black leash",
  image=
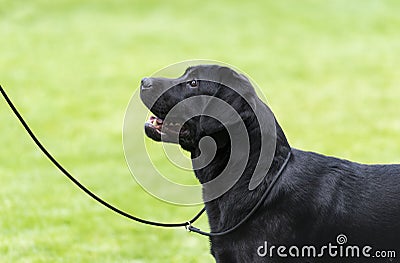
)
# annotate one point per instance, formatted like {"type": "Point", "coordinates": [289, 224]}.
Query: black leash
{"type": "Point", "coordinates": [187, 225]}
{"type": "Point", "coordinates": [84, 188]}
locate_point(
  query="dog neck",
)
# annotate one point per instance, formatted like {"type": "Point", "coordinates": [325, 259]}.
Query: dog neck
{"type": "Point", "coordinates": [220, 209]}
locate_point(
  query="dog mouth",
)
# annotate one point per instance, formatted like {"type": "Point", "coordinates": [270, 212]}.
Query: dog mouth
{"type": "Point", "coordinates": [169, 131]}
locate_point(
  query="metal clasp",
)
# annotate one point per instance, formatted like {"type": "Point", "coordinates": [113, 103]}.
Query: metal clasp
{"type": "Point", "coordinates": [188, 225]}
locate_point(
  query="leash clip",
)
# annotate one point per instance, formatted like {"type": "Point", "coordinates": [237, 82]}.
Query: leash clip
{"type": "Point", "coordinates": [188, 226]}
{"type": "Point", "coordinates": [191, 228]}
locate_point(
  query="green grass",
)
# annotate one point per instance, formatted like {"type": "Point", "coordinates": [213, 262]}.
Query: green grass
{"type": "Point", "coordinates": [328, 68]}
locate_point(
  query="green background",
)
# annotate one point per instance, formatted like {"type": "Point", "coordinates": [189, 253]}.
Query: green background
{"type": "Point", "coordinates": [330, 71]}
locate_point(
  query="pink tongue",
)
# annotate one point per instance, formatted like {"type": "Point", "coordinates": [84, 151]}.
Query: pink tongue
{"type": "Point", "coordinates": [154, 118]}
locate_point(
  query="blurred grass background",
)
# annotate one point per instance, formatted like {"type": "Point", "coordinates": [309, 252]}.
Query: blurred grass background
{"type": "Point", "coordinates": [330, 71]}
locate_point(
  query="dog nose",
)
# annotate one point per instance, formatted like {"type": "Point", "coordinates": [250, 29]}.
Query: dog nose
{"type": "Point", "coordinates": [146, 83]}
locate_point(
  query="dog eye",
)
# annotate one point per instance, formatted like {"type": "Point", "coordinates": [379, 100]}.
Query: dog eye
{"type": "Point", "coordinates": [193, 83]}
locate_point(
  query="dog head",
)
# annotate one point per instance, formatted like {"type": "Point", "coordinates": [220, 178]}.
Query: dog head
{"type": "Point", "coordinates": [204, 101]}
{"type": "Point", "coordinates": [218, 102]}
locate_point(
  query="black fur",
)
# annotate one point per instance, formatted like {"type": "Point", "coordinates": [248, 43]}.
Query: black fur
{"type": "Point", "coordinates": [316, 198]}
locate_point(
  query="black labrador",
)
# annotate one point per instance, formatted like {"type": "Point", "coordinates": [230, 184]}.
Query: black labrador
{"type": "Point", "coordinates": [321, 209]}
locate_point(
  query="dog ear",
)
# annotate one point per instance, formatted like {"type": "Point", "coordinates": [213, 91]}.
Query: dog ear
{"type": "Point", "coordinates": [217, 115]}
{"type": "Point", "coordinates": [225, 107]}
{"type": "Point", "coordinates": [240, 92]}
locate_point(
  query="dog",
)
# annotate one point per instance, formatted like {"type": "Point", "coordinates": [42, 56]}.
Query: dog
{"type": "Point", "coordinates": [318, 206]}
